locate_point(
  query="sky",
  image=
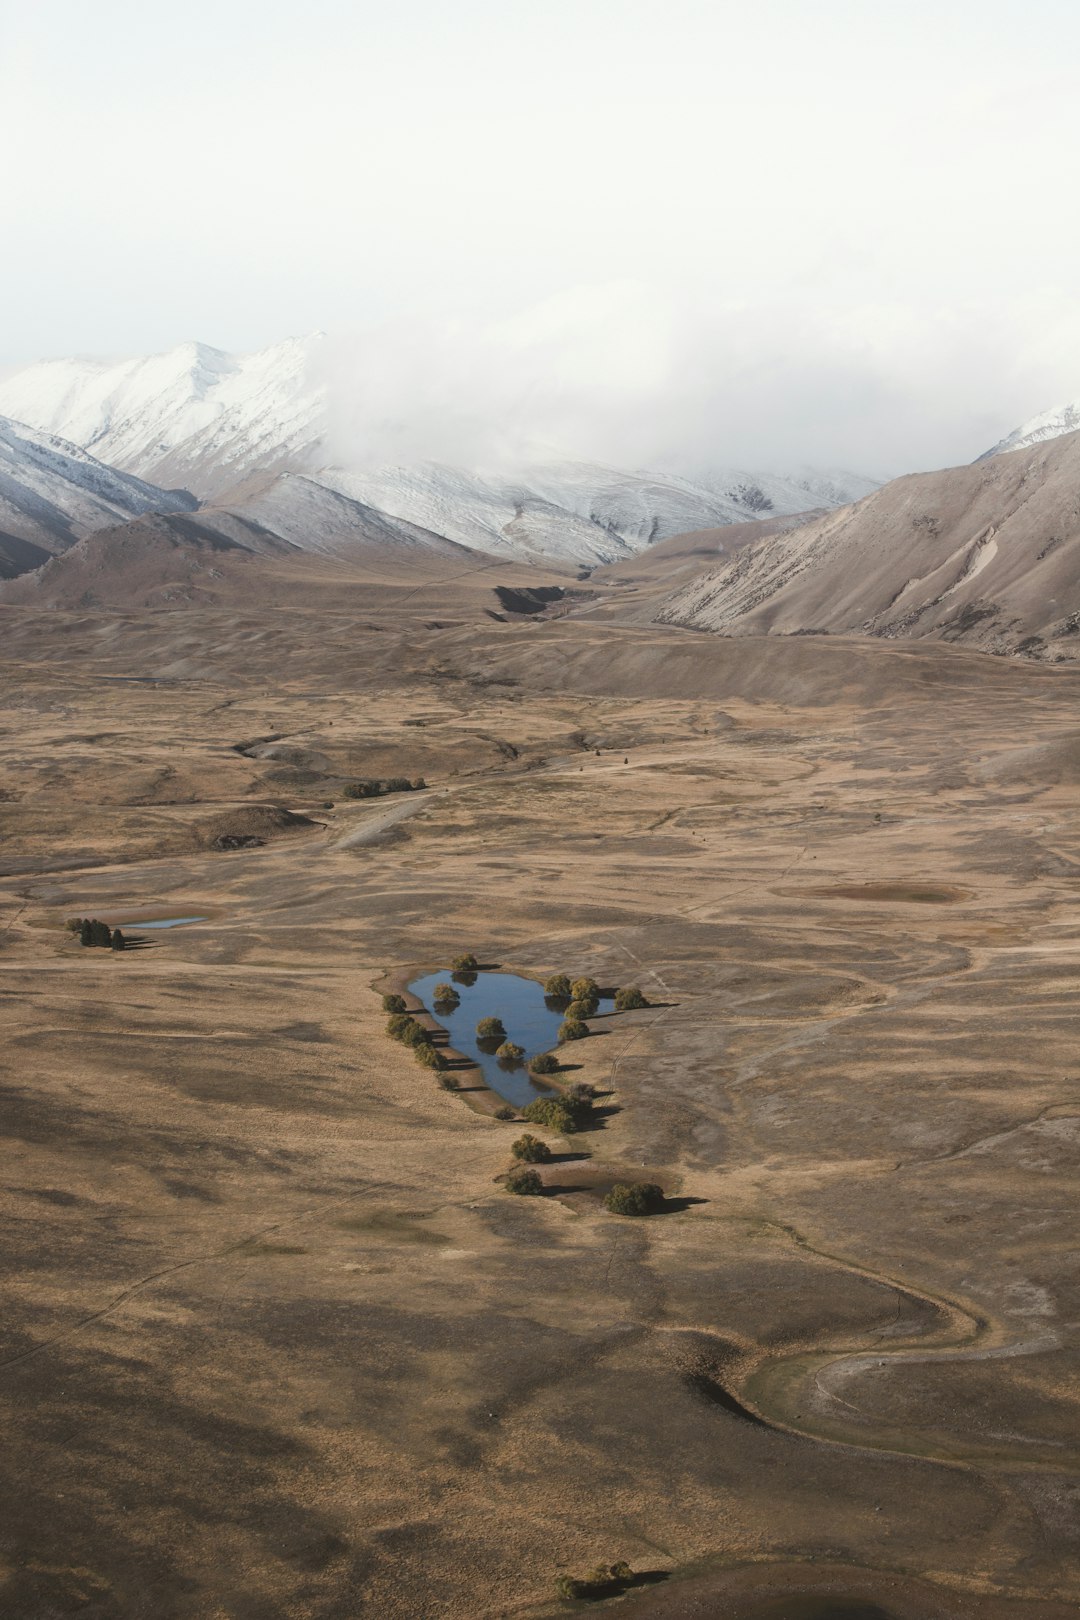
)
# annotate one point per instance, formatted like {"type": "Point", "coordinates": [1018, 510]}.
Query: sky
{"type": "Point", "coordinates": [840, 232]}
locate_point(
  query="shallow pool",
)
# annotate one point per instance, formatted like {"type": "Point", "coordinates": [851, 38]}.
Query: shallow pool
{"type": "Point", "coordinates": [161, 922]}
{"type": "Point", "coordinates": [531, 1020]}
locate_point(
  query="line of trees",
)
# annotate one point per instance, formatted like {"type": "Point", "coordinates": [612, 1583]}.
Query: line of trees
{"type": "Point", "coordinates": [92, 931]}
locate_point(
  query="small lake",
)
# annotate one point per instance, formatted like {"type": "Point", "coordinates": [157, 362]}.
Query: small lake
{"type": "Point", "coordinates": [161, 922]}
{"type": "Point", "coordinates": [530, 1018]}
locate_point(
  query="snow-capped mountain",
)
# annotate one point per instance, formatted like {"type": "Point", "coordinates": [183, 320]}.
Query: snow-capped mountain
{"type": "Point", "coordinates": [1050, 425]}
{"type": "Point", "coordinates": [195, 417]}
{"type": "Point", "coordinates": [206, 420]}
{"type": "Point", "coordinates": [52, 493]}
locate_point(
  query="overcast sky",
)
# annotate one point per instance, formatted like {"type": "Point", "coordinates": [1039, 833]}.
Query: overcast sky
{"type": "Point", "coordinates": [834, 231]}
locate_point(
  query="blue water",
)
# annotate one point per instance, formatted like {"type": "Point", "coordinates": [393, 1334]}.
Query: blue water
{"type": "Point", "coordinates": [531, 1020]}
{"type": "Point", "coordinates": [162, 922]}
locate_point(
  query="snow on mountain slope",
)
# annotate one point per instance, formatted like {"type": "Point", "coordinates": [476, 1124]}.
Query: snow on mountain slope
{"type": "Point", "coordinates": [317, 517]}
{"type": "Point", "coordinates": [987, 554]}
{"type": "Point", "coordinates": [1050, 425]}
{"type": "Point", "coordinates": [52, 493]}
{"type": "Point", "coordinates": [195, 416]}
{"type": "Point", "coordinates": [576, 512]}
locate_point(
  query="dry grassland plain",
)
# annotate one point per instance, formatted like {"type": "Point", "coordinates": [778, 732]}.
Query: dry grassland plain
{"type": "Point", "coordinates": [278, 1345]}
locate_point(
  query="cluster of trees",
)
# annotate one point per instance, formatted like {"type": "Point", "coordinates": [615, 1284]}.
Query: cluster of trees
{"type": "Point", "coordinates": [403, 1027]}
{"type": "Point", "coordinates": [605, 1581]}
{"type": "Point", "coordinates": [93, 932]}
{"type": "Point", "coordinates": [369, 787]}
{"type": "Point", "coordinates": [570, 1111]}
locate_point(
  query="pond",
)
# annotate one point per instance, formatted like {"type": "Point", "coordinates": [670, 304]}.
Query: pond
{"type": "Point", "coordinates": [161, 922]}
{"type": "Point", "coordinates": [530, 1018]}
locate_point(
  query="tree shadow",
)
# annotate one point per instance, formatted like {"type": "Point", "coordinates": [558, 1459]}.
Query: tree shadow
{"type": "Point", "coordinates": [673, 1206]}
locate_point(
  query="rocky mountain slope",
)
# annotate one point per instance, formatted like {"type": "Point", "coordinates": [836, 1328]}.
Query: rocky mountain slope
{"type": "Point", "coordinates": [988, 555]}
{"type": "Point", "coordinates": [52, 494]}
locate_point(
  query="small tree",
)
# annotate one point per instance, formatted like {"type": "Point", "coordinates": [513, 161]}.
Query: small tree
{"type": "Point", "coordinates": [544, 1063]}
{"type": "Point", "coordinates": [86, 932]}
{"type": "Point", "coordinates": [394, 1004]}
{"type": "Point", "coordinates": [465, 964]}
{"type": "Point", "coordinates": [449, 1082]}
{"type": "Point", "coordinates": [511, 1052]}
{"type": "Point", "coordinates": [489, 1028]}
{"type": "Point", "coordinates": [118, 942]}
{"type": "Point", "coordinates": [505, 1112]}
{"type": "Point", "coordinates": [629, 999]}
{"type": "Point", "coordinates": [572, 1029]}
{"type": "Point", "coordinates": [531, 1150]}
{"type": "Point", "coordinates": [578, 1011]}
{"type": "Point", "coordinates": [416, 1035]}
{"type": "Point", "coordinates": [585, 990]}
{"type": "Point", "coordinates": [558, 986]}
{"type": "Point", "coordinates": [635, 1198]}
{"type": "Point", "coordinates": [102, 933]}
{"type": "Point", "coordinates": [526, 1183]}
{"type": "Point", "coordinates": [428, 1056]}
{"type": "Point", "coordinates": [444, 995]}
{"type": "Point", "coordinates": [398, 1023]}
{"type": "Point", "coordinates": [74, 925]}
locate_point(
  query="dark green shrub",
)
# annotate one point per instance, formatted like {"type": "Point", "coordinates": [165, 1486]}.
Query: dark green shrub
{"type": "Point", "coordinates": [572, 1029]}
{"type": "Point", "coordinates": [558, 986]}
{"type": "Point", "coordinates": [585, 990]}
{"type": "Point", "coordinates": [531, 1150]}
{"type": "Point", "coordinates": [465, 964]}
{"type": "Point", "coordinates": [102, 933]}
{"type": "Point", "coordinates": [544, 1063]}
{"type": "Point", "coordinates": [578, 1011]}
{"type": "Point", "coordinates": [603, 1581]}
{"type": "Point", "coordinates": [366, 789]}
{"type": "Point", "coordinates": [629, 999]}
{"type": "Point", "coordinates": [506, 1112]}
{"type": "Point", "coordinates": [526, 1183]}
{"type": "Point", "coordinates": [635, 1198]}
{"type": "Point", "coordinates": [488, 1028]}
{"type": "Point", "coordinates": [394, 1004]}
{"type": "Point", "coordinates": [86, 932]}
{"type": "Point", "coordinates": [553, 1113]}
{"type": "Point", "coordinates": [416, 1035]}
{"type": "Point", "coordinates": [118, 942]}
{"type": "Point", "coordinates": [511, 1052]}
